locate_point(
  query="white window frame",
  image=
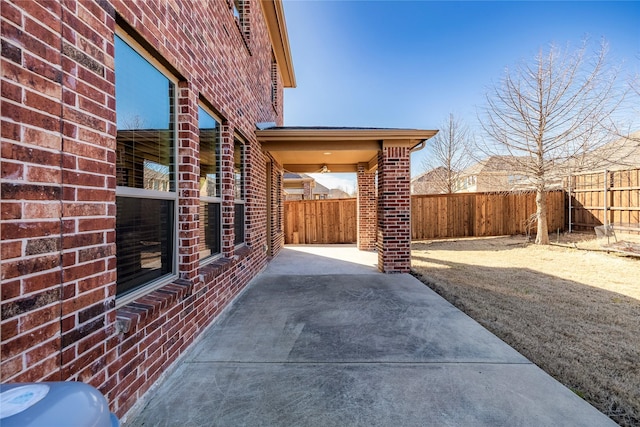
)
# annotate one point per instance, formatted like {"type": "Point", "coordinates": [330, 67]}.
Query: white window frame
{"type": "Point", "coordinates": [154, 194]}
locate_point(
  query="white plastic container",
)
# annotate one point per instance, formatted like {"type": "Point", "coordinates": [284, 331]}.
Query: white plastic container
{"type": "Point", "coordinates": [52, 404]}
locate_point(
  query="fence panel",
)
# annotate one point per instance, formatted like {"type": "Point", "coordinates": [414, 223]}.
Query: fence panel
{"type": "Point", "coordinates": [481, 214]}
{"type": "Point", "coordinates": [320, 221]}
{"type": "Point", "coordinates": [612, 197]}
{"type": "Point", "coordinates": [432, 216]}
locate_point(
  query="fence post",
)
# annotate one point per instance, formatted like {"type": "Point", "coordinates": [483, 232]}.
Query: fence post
{"type": "Point", "coordinates": [606, 198]}
{"type": "Point", "coordinates": [570, 185]}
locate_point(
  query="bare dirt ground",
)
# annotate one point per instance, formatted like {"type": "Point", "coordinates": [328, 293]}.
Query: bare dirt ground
{"type": "Point", "coordinates": [573, 312]}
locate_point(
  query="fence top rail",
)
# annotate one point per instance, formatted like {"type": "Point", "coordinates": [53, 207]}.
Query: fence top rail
{"type": "Point", "coordinates": [486, 193]}
{"type": "Point", "coordinates": [350, 199]}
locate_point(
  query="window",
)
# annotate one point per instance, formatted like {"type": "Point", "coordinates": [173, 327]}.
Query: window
{"type": "Point", "coordinates": [237, 7]}
{"type": "Point", "coordinates": [210, 192]}
{"type": "Point", "coordinates": [238, 177]}
{"type": "Point", "coordinates": [146, 197]}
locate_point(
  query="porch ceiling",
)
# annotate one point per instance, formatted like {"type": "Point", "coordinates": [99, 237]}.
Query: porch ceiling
{"type": "Point", "coordinates": [309, 149]}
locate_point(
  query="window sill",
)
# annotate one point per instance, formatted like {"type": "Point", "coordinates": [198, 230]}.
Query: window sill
{"type": "Point", "coordinates": [146, 289]}
{"type": "Point", "coordinates": [218, 266]}
{"type": "Point", "coordinates": [136, 313]}
{"type": "Point", "coordinates": [242, 250]}
{"type": "Point", "coordinates": [215, 268]}
{"type": "Point", "coordinates": [211, 259]}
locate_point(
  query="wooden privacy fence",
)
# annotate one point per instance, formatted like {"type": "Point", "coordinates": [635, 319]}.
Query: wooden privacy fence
{"type": "Point", "coordinates": [320, 221]}
{"type": "Point", "coordinates": [432, 216]}
{"type": "Point", "coordinates": [608, 196]}
{"type": "Point", "coordinates": [481, 214]}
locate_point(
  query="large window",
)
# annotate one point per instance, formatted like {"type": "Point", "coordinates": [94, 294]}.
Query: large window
{"type": "Point", "coordinates": [239, 191]}
{"type": "Point", "coordinates": [210, 193]}
{"type": "Point", "coordinates": [146, 194]}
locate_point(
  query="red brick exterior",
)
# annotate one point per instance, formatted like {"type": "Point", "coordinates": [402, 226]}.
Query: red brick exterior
{"type": "Point", "coordinates": [58, 153]}
{"type": "Point", "coordinates": [307, 191]}
{"type": "Point", "coordinates": [367, 207]}
{"type": "Point", "coordinates": [275, 210]}
{"type": "Point", "coordinates": [394, 209]}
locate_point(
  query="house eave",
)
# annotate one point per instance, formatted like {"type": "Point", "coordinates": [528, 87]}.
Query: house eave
{"type": "Point", "coordinates": [312, 149]}
{"type": "Point", "coordinates": [292, 134]}
{"type": "Point", "coordinates": [274, 15]}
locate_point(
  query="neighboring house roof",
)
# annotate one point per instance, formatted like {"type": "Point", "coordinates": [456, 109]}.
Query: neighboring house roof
{"type": "Point", "coordinates": [495, 164]}
{"type": "Point", "coordinates": [320, 189]}
{"type": "Point", "coordinates": [430, 174]}
{"type": "Point", "coordinates": [291, 176]}
{"type": "Point", "coordinates": [294, 184]}
{"type": "Point", "coordinates": [336, 193]}
{"type": "Point", "coordinates": [623, 153]}
{"type": "Point", "coordinates": [430, 182]}
{"type": "Point", "coordinates": [497, 173]}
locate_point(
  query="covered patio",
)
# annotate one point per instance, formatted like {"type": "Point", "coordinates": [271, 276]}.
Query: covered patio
{"type": "Point", "coordinates": [384, 210]}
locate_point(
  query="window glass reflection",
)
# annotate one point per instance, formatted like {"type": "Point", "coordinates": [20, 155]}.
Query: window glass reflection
{"type": "Point", "coordinates": [238, 224]}
{"type": "Point", "coordinates": [209, 154]}
{"type": "Point", "coordinates": [210, 229]}
{"type": "Point", "coordinates": [238, 175]}
{"type": "Point", "coordinates": [144, 241]}
{"type": "Point", "coordinates": [145, 219]}
{"type": "Point", "coordinates": [144, 111]}
{"type": "Point", "coordinates": [238, 169]}
{"type": "Point", "coordinates": [210, 219]}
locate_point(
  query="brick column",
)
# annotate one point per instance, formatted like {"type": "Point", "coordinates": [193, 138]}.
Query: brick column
{"type": "Point", "coordinates": [227, 208]}
{"type": "Point", "coordinates": [307, 192]}
{"type": "Point", "coordinates": [394, 208]}
{"type": "Point", "coordinates": [366, 209]}
{"type": "Point", "coordinates": [188, 181]}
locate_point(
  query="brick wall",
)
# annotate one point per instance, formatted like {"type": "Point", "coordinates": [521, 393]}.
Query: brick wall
{"type": "Point", "coordinates": [276, 224]}
{"type": "Point", "coordinates": [307, 191]}
{"type": "Point", "coordinates": [394, 209]}
{"type": "Point", "coordinates": [367, 209]}
{"type": "Point", "coordinates": [58, 152]}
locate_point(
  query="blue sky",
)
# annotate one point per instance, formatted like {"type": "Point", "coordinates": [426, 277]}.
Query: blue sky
{"type": "Point", "coordinates": [408, 64]}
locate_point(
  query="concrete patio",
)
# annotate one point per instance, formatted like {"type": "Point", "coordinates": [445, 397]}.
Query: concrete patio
{"type": "Point", "coordinates": [320, 338]}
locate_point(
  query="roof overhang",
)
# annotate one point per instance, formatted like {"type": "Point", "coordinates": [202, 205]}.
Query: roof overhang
{"type": "Point", "coordinates": [334, 149]}
{"type": "Point", "coordinates": [277, 26]}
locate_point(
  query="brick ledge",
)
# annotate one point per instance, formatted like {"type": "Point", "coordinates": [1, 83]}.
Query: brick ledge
{"type": "Point", "coordinates": [145, 307]}
{"type": "Point", "coordinates": [148, 307]}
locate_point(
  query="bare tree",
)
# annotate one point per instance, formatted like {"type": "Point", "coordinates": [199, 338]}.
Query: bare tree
{"type": "Point", "coordinates": [546, 113]}
{"type": "Point", "coordinates": [450, 155]}
{"type": "Point", "coordinates": [133, 121]}
{"type": "Point", "coordinates": [631, 131]}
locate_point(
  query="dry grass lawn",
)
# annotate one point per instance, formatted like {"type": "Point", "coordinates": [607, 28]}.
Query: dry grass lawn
{"type": "Point", "coordinates": [575, 313]}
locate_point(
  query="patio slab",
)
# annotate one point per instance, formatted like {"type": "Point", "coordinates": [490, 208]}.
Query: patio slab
{"type": "Point", "coordinates": [354, 348]}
